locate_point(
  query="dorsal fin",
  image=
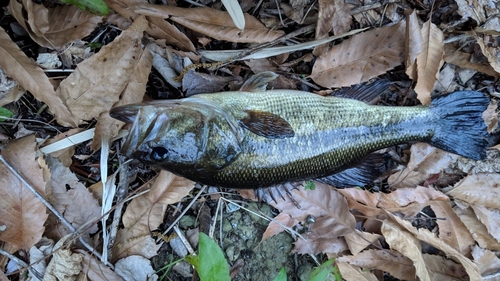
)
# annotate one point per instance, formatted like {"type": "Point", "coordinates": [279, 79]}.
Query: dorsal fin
{"type": "Point", "coordinates": [258, 82]}
{"type": "Point", "coordinates": [267, 125]}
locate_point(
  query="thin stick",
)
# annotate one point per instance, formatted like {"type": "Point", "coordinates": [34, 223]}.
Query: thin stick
{"type": "Point", "coordinates": [19, 261]}
{"type": "Point", "coordinates": [50, 207]}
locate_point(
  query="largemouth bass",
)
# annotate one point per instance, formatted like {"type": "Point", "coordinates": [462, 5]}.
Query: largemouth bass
{"type": "Point", "coordinates": [254, 138]}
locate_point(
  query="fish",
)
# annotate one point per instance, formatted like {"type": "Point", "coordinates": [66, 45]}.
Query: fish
{"type": "Point", "coordinates": [256, 138]}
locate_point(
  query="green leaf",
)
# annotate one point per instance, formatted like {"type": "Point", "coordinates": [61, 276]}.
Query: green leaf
{"type": "Point", "coordinates": [309, 185]}
{"type": "Point", "coordinates": [96, 7]}
{"type": "Point", "coordinates": [281, 275]}
{"type": "Point", "coordinates": [326, 271]}
{"type": "Point", "coordinates": [4, 112]}
{"type": "Point", "coordinates": [210, 262]}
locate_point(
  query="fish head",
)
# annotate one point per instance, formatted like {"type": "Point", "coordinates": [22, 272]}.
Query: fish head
{"type": "Point", "coordinates": [181, 136]}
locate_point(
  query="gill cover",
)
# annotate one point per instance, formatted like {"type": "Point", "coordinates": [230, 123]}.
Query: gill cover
{"type": "Point", "coordinates": [177, 134]}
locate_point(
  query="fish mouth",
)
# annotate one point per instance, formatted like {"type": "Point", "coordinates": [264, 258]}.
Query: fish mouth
{"type": "Point", "coordinates": [142, 117]}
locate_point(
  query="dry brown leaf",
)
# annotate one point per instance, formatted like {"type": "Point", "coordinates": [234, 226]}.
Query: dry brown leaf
{"type": "Point", "coordinates": [274, 228]}
{"type": "Point", "coordinates": [486, 260]}
{"type": "Point", "coordinates": [331, 246]}
{"type": "Point", "coordinates": [451, 229]}
{"type": "Point", "coordinates": [478, 189]}
{"type": "Point", "coordinates": [139, 219]}
{"type": "Point", "coordinates": [31, 77]}
{"type": "Point", "coordinates": [431, 239]}
{"type": "Point", "coordinates": [491, 115]}
{"type": "Point", "coordinates": [56, 26]}
{"type": "Point", "coordinates": [95, 270]}
{"type": "Point", "coordinates": [396, 201]}
{"type": "Point", "coordinates": [64, 265]}
{"type": "Point", "coordinates": [425, 160]}
{"type": "Point", "coordinates": [354, 273]}
{"type": "Point", "coordinates": [158, 27]}
{"type": "Point", "coordinates": [477, 229]}
{"type": "Point", "coordinates": [443, 269]}
{"type": "Point", "coordinates": [357, 241]}
{"type": "Point", "coordinates": [389, 261]}
{"type": "Point", "coordinates": [324, 202]}
{"type": "Point", "coordinates": [213, 23]}
{"type": "Point", "coordinates": [169, 188]}
{"type": "Point", "coordinates": [133, 93]}
{"type": "Point", "coordinates": [463, 60]}
{"type": "Point", "coordinates": [67, 195]}
{"type": "Point", "coordinates": [490, 52]}
{"type": "Point", "coordinates": [333, 15]}
{"type": "Point", "coordinates": [413, 43]}
{"type": "Point", "coordinates": [332, 218]}
{"type": "Point", "coordinates": [490, 218]}
{"type": "Point", "coordinates": [198, 83]}
{"type": "Point", "coordinates": [404, 242]}
{"type": "Point", "coordinates": [429, 61]}
{"type": "Point", "coordinates": [98, 81]}
{"type": "Point", "coordinates": [361, 57]}
{"type": "Point", "coordinates": [161, 29]}
{"type": "Point", "coordinates": [21, 214]}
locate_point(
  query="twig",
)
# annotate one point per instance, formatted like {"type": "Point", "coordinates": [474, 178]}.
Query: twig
{"type": "Point", "coordinates": [181, 236]}
{"type": "Point", "coordinates": [50, 207]}
{"type": "Point", "coordinates": [22, 263]}
{"type": "Point", "coordinates": [185, 210]}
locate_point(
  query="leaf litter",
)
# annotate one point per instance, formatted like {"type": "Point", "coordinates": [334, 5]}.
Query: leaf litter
{"type": "Point", "coordinates": [369, 232]}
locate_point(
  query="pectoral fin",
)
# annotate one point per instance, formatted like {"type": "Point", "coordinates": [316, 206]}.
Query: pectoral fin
{"type": "Point", "coordinates": [267, 125]}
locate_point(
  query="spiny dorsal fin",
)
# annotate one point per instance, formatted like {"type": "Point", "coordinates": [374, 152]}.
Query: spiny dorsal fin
{"type": "Point", "coordinates": [267, 125]}
{"type": "Point", "coordinates": [258, 82]}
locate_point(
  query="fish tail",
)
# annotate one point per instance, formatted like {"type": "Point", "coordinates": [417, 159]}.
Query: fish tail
{"type": "Point", "coordinates": [461, 128]}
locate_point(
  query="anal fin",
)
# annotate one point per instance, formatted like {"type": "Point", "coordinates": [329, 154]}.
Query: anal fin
{"type": "Point", "coordinates": [360, 175]}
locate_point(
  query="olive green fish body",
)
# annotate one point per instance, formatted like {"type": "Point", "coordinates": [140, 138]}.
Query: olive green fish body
{"type": "Point", "coordinates": [258, 139]}
{"type": "Point", "coordinates": [330, 134]}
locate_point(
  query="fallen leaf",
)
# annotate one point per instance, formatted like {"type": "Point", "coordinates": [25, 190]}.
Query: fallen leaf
{"type": "Point", "coordinates": [357, 241]}
{"type": "Point", "coordinates": [169, 188]}
{"type": "Point", "coordinates": [333, 16]}
{"type": "Point", "coordinates": [429, 61]}
{"type": "Point", "coordinates": [64, 265]}
{"type": "Point", "coordinates": [139, 219]}
{"type": "Point", "coordinates": [56, 26]}
{"type": "Point", "coordinates": [486, 260]}
{"type": "Point", "coordinates": [67, 195]}
{"type": "Point", "coordinates": [464, 60]}
{"type": "Point", "coordinates": [214, 23]}
{"type": "Point", "coordinates": [31, 77]}
{"type": "Point", "coordinates": [199, 83]}
{"type": "Point", "coordinates": [490, 218]}
{"type": "Point", "coordinates": [22, 215]}
{"type": "Point", "coordinates": [95, 270]}
{"type": "Point", "coordinates": [354, 273]}
{"type": "Point", "coordinates": [431, 239]}
{"type": "Point", "coordinates": [413, 43]}
{"type": "Point", "coordinates": [477, 229]}
{"type": "Point", "coordinates": [162, 29]}
{"type": "Point", "coordinates": [425, 160]}
{"type": "Point", "coordinates": [404, 242]}
{"type": "Point", "coordinates": [133, 93]}
{"type": "Point", "coordinates": [332, 218]}
{"type": "Point", "coordinates": [98, 81]}
{"type": "Point", "coordinates": [478, 189]}
{"type": "Point", "coordinates": [443, 269]}
{"type": "Point", "coordinates": [361, 57]}
{"type": "Point", "coordinates": [275, 228]}
{"type": "Point", "coordinates": [490, 116]}
{"type": "Point", "coordinates": [451, 229]}
{"type": "Point", "coordinates": [135, 268]}
{"type": "Point", "coordinates": [389, 261]}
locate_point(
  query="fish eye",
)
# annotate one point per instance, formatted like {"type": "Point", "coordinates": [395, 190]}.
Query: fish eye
{"type": "Point", "coordinates": [159, 153]}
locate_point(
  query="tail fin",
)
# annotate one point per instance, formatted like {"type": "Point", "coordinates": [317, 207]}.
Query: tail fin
{"type": "Point", "coordinates": [462, 129]}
